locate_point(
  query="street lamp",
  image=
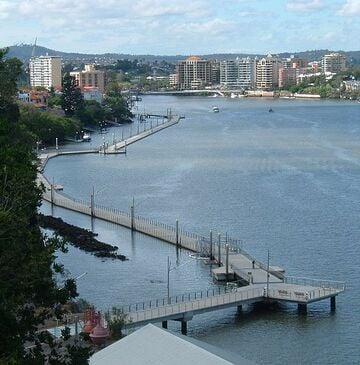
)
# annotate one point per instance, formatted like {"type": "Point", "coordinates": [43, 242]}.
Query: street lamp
{"type": "Point", "coordinates": [169, 268]}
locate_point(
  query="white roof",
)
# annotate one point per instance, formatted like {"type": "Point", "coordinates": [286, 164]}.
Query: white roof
{"type": "Point", "coordinates": [154, 346]}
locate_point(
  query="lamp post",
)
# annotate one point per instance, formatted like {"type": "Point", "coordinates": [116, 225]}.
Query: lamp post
{"type": "Point", "coordinates": [268, 274]}
{"type": "Point", "coordinates": [169, 269]}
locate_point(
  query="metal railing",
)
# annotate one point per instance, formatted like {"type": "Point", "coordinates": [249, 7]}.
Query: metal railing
{"type": "Point", "coordinates": [325, 284]}
{"type": "Point", "coordinates": [207, 302]}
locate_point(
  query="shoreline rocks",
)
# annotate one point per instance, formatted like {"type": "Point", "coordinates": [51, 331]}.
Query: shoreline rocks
{"type": "Point", "coordinates": [79, 237]}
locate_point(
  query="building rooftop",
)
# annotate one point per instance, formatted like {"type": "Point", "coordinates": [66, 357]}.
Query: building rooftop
{"type": "Point", "coordinates": [152, 345]}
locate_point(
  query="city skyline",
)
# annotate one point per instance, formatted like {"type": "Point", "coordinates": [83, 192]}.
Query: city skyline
{"type": "Point", "coordinates": [168, 28]}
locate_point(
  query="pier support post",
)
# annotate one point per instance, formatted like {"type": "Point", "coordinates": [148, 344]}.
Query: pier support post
{"type": "Point", "coordinates": [227, 262]}
{"type": "Point", "coordinates": [302, 307]}
{"type": "Point", "coordinates": [219, 249]}
{"type": "Point", "coordinates": [52, 194]}
{"type": "Point", "coordinates": [184, 327]}
{"type": "Point", "coordinates": [132, 216]}
{"type": "Point", "coordinates": [92, 204]}
{"type": "Point", "coordinates": [177, 233]}
{"type": "Point", "coordinates": [164, 324]}
{"type": "Point", "coordinates": [239, 309]}
{"type": "Point", "coordinates": [211, 246]}
{"type": "Point", "coordinates": [333, 304]}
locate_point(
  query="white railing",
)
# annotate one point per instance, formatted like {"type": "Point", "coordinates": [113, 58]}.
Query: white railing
{"type": "Point", "coordinates": [301, 294]}
{"type": "Point", "coordinates": [327, 284]}
{"type": "Point", "coordinates": [195, 305]}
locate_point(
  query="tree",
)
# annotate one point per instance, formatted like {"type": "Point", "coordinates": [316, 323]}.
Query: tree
{"type": "Point", "coordinates": [9, 71]}
{"type": "Point", "coordinates": [116, 104]}
{"type": "Point", "coordinates": [91, 113]}
{"type": "Point", "coordinates": [72, 99]}
{"type": "Point", "coordinates": [29, 293]}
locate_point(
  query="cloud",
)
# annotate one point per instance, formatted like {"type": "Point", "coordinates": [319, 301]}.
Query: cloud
{"type": "Point", "coordinates": [213, 26]}
{"type": "Point", "coordinates": [6, 8]}
{"type": "Point", "coordinates": [304, 6]}
{"type": "Point", "coordinates": [350, 8]}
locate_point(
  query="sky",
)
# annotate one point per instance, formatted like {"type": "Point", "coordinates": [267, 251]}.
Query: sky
{"type": "Point", "coordinates": [172, 27]}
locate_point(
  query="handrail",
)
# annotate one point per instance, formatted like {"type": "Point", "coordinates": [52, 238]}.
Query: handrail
{"type": "Point", "coordinates": [340, 285]}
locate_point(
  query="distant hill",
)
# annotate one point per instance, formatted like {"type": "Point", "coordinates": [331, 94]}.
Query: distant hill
{"type": "Point", "coordinates": [24, 52]}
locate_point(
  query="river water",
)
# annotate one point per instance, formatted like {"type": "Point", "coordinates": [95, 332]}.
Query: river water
{"type": "Point", "coordinates": [287, 182]}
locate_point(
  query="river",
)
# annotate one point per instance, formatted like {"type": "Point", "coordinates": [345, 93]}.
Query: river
{"type": "Point", "coordinates": [286, 181]}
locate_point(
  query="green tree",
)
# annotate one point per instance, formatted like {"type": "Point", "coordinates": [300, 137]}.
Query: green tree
{"type": "Point", "coordinates": [116, 105]}
{"type": "Point", "coordinates": [72, 99]}
{"type": "Point", "coordinates": [91, 113]}
{"type": "Point", "coordinates": [46, 127]}
{"type": "Point", "coordinates": [29, 293]}
{"type": "Point", "coordinates": [9, 71]}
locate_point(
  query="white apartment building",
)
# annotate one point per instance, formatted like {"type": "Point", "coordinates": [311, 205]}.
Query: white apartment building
{"type": "Point", "coordinates": [45, 71]}
{"type": "Point", "coordinates": [334, 63]}
{"type": "Point", "coordinates": [238, 74]}
{"type": "Point", "coordinates": [228, 74]}
{"type": "Point", "coordinates": [267, 72]}
{"type": "Point", "coordinates": [246, 72]}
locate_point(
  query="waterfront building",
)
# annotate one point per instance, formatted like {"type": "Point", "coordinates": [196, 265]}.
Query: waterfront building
{"type": "Point", "coordinates": [288, 76]}
{"type": "Point", "coordinates": [334, 63]}
{"type": "Point", "coordinates": [290, 70]}
{"type": "Point", "coordinates": [228, 74]}
{"type": "Point", "coordinates": [215, 72]}
{"type": "Point", "coordinates": [246, 72]}
{"type": "Point", "coordinates": [267, 72]}
{"type": "Point", "coordinates": [193, 73]}
{"type": "Point", "coordinates": [90, 77]}
{"type": "Point", "coordinates": [238, 74]}
{"type": "Point", "coordinates": [173, 80]}
{"type": "Point", "coordinates": [45, 71]}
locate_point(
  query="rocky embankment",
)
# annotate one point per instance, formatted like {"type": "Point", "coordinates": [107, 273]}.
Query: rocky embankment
{"type": "Point", "coordinates": [79, 237]}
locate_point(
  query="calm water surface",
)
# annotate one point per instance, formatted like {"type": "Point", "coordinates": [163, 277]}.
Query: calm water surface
{"type": "Point", "coordinates": [287, 181]}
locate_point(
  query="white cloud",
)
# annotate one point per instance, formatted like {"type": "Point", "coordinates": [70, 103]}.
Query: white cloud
{"type": "Point", "coordinates": [214, 26]}
{"type": "Point", "coordinates": [5, 9]}
{"type": "Point", "coordinates": [350, 8]}
{"type": "Point", "coordinates": [304, 6]}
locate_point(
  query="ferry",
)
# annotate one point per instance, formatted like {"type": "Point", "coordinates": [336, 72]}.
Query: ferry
{"type": "Point", "coordinates": [215, 109]}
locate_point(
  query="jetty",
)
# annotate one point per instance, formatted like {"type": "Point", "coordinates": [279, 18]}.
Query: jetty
{"type": "Point", "coordinates": [258, 282]}
{"type": "Point", "coordinates": [183, 308]}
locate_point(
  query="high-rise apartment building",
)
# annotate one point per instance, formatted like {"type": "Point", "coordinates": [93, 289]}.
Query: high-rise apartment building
{"type": "Point", "coordinates": [194, 73]}
{"type": "Point", "coordinates": [45, 71]}
{"type": "Point", "coordinates": [90, 77]}
{"type": "Point", "coordinates": [228, 74]}
{"type": "Point", "coordinates": [267, 72]}
{"type": "Point", "coordinates": [238, 74]}
{"type": "Point", "coordinates": [246, 72]}
{"type": "Point", "coordinates": [334, 63]}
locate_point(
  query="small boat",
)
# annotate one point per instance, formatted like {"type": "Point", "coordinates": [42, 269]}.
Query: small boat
{"type": "Point", "coordinates": [270, 110]}
{"type": "Point", "coordinates": [215, 109]}
{"type": "Point", "coordinates": [86, 137]}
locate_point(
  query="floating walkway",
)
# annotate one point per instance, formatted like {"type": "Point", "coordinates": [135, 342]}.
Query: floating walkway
{"type": "Point", "coordinates": [262, 283]}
